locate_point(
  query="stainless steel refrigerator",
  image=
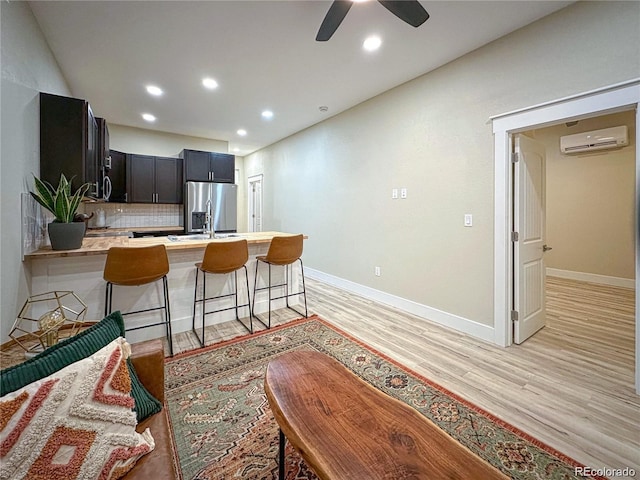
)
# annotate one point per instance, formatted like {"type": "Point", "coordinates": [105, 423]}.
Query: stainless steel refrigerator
{"type": "Point", "coordinates": [220, 199]}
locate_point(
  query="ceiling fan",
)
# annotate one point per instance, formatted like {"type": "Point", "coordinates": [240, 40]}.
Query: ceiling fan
{"type": "Point", "coordinates": [410, 11]}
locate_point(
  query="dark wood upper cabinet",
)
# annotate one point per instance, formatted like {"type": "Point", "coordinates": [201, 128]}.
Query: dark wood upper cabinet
{"type": "Point", "coordinates": [202, 166]}
{"type": "Point", "coordinates": [223, 166]}
{"type": "Point", "coordinates": [118, 176]}
{"type": "Point", "coordinates": [102, 142]}
{"type": "Point", "coordinates": [68, 142]}
{"type": "Point", "coordinates": [154, 179]}
{"type": "Point", "coordinates": [168, 180]}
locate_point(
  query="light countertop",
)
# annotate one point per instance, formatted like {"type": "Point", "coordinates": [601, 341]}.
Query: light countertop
{"type": "Point", "coordinates": [100, 245]}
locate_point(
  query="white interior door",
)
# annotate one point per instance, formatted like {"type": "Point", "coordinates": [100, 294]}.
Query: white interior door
{"type": "Point", "coordinates": [255, 203]}
{"type": "Point", "coordinates": [528, 249]}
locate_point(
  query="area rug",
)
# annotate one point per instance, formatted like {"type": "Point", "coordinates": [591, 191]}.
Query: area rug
{"type": "Point", "coordinates": [223, 427]}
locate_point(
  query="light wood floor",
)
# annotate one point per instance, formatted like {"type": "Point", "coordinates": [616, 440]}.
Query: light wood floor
{"type": "Point", "coordinates": [571, 385]}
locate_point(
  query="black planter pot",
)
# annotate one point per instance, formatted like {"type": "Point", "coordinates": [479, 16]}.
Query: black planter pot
{"type": "Point", "coordinates": [66, 236]}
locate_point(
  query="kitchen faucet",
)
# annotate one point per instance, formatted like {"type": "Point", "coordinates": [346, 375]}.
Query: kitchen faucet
{"type": "Point", "coordinates": [209, 230]}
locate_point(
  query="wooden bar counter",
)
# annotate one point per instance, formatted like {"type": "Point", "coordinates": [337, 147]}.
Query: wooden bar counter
{"type": "Point", "coordinates": [100, 245]}
{"type": "Point", "coordinates": [81, 272]}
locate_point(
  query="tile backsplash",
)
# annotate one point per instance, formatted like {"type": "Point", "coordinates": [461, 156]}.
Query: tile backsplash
{"type": "Point", "coordinates": [125, 215]}
{"type": "Point", "coordinates": [34, 224]}
{"type": "Point", "coordinates": [118, 215]}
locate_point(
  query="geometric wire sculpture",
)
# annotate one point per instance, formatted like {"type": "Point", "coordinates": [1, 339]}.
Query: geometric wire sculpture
{"type": "Point", "coordinates": [62, 318]}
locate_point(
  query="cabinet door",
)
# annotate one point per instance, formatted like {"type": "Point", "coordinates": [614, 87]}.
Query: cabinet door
{"type": "Point", "coordinates": [196, 166]}
{"type": "Point", "coordinates": [118, 177]}
{"type": "Point", "coordinates": [141, 176]}
{"type": "Point", "coordinates": [223, 167]}
{"type": "Point", "coordinates": [168, 180]}
{"type": "Point", "coordinates": [91, 170]}
{"type": "Point", "coordinates": [63, 145]}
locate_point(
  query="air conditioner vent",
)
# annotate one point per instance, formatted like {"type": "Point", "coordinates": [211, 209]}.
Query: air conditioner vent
{"type": "Point", "coordinates": [607, 138]}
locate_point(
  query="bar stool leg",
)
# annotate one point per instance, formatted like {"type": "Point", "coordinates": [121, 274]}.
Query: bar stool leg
{"type": "Point", "coordinates": [108, 292]}
{"type": "Point", "coordinates": [255, 284]}
{"type": "Point", "coordinates": [167, 314]}
{"type": "Point", "coordinates": [304, 290]}
{"type": "Point", "coordinates": [246, 276]}
{"type": "Point", "coordinates": [269, 296]}
{"type": "Point", "coordinates": [235, 277]}
{"type": "Point", "coordinates": [204, 302]}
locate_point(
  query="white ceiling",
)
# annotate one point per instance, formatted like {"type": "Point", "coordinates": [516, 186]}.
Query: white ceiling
{"type": "Point", "coordinates": [262, 53]}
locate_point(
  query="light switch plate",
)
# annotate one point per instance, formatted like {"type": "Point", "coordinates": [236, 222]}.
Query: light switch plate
{"type": "Point", "coordinates": [394, 193]}
{"type": "Point", "coordinates": [468, 220]}
{"type": "Point", "coordinates": [403, 193]}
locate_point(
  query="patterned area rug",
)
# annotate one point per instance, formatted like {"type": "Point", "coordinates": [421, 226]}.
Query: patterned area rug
{"type": "Point", "coordinates": [224, 429]}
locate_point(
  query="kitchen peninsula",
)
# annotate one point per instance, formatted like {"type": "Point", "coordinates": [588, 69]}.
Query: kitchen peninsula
{"type": "Point", "coordinates": [81, 272]}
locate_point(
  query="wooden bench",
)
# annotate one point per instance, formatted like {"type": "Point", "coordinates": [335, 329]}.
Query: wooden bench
{"type": "Point", "coordinates": [344, 428]}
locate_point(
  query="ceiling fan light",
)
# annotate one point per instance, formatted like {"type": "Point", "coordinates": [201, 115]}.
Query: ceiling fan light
{"type": "Point", "coordinates": [372, 43]}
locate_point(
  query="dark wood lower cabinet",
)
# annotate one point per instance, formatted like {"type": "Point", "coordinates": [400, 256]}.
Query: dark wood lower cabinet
{"type": "Point", "coordinates": [154, 179]}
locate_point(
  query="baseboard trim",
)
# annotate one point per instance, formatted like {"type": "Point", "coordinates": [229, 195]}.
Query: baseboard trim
{"type": "Point", "coordinates": [592, 278]}
{"type": "Point", "coordinates": [461, 324]}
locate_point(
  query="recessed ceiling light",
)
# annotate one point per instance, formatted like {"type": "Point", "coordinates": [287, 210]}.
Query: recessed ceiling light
{"type": "Point", "coordinates": [268, 114]}
{"type": "Point", "coordinates": [148, 117]}
{"type": "Point", "coordinates": [153, 90]}
{"type": "Point", "coordinates": [210, 83]}
{"type": "Point", "coordinates": [242, 132]}
{"type": "Point", "coordinates": [372, 43]}
{"type": "Point", "coordinates": [236, 149]}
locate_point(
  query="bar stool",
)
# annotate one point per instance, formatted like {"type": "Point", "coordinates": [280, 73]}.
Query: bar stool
{"type": "Point", "coordinates": [222, 258]}
{"type": "Point", "coordinates": [282, 251]}
{"type": "Point", "coordinates": [132, 266]}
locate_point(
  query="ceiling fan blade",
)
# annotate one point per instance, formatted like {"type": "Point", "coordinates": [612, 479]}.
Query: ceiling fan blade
{"type": "Point", "coordinates": [409, 11]}
{"type": "Point", "coordinates": [333, 19]}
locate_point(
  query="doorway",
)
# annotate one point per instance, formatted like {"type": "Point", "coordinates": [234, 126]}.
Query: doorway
{"type": "Point", "coordinates": [255, 203]}
{"type": "Point", "coordinates": [616, 98]}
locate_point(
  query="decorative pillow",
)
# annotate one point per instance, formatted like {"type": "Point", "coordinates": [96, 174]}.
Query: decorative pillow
{"type": "Point", "coordinates": [75, 423]}
{"type": "Point", "coordinates": [71, 350]}
{"type": "Point", "coordinates": [146, 404]}
{"type": "Point", "coordinates": [64, 353]}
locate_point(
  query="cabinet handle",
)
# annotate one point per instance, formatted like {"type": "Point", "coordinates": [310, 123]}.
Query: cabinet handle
{"type": "Point", "coordinates": [212, 176]}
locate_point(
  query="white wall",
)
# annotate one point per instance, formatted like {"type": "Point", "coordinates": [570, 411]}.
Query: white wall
{"type": "Point", "coordinates": [162, 144]}
{"type": "Point", "coordinates": [590, 203]}
{"type": "Point", "coordinates": [333, 181]}
{"type": "Point", "coordinates": [28, 67]}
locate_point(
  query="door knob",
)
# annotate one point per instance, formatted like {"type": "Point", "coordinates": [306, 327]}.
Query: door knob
{"type": "Point", "coordinates": [546, 248]}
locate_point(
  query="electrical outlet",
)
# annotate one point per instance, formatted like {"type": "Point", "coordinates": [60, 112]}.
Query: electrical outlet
{"type": "Point", "coordinates": [376, 270]}
{"type": "Point", "coordinates": [403, 193]}
{"type": "Point", "coordinates": [394, 193]}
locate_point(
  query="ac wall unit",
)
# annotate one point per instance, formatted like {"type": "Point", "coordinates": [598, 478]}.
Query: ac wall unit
{"type": "Point", "coordinates": [606, 138]}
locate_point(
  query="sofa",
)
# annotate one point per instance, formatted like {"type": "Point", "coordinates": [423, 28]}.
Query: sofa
{"type": "Point", "coordinates": [91, 406]}
{"type": "Point", "coordinates": [148, 361]}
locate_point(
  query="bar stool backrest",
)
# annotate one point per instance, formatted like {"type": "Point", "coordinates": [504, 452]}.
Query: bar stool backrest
{"type": "Point", "coordinates": [225, 257]}
{"type": "Point", "coordinates": [285, 250]}
{"type": "Point", "coordinates": [136, 265]}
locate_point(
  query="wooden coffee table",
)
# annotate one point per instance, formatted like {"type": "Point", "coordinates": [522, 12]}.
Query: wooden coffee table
{"type": "Point", "coordinates": [344, 428]}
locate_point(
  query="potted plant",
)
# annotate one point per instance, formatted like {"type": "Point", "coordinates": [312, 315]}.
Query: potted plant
{"type": "Point", "coordinates": [64, 233]}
